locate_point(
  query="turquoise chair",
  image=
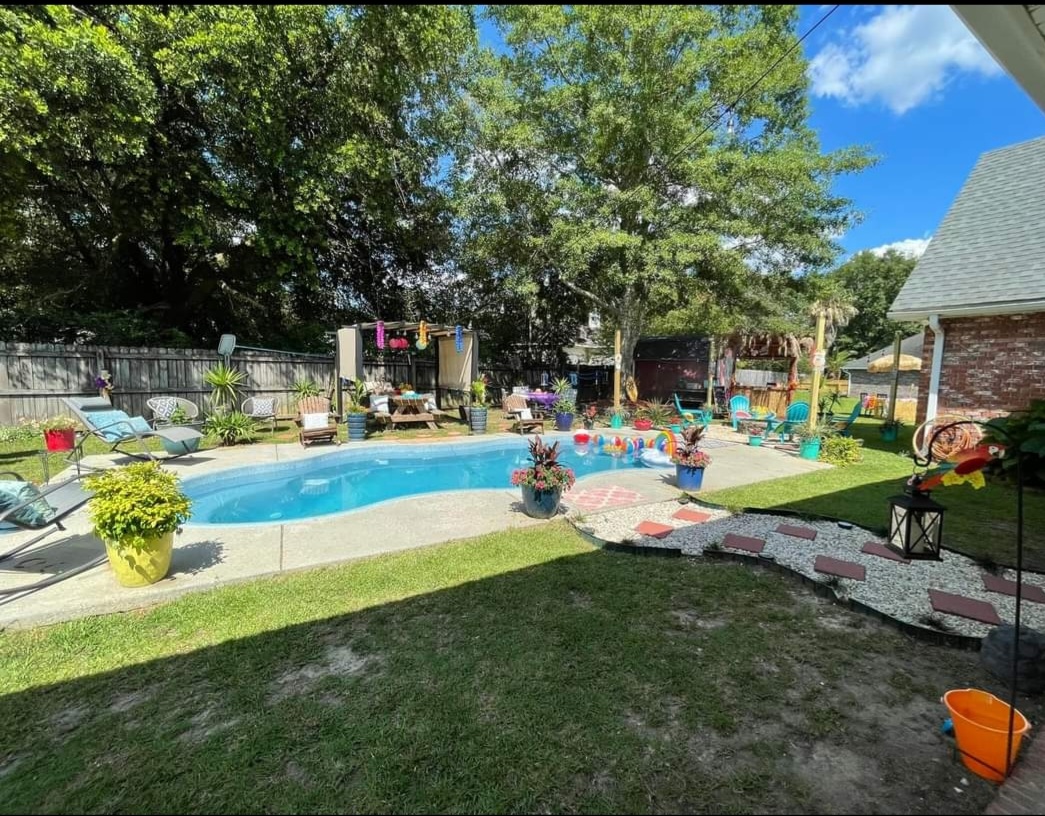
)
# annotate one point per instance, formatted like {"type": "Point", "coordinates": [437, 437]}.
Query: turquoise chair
{"type": "Point", "coordinates": [844, 427]}
{"type": "Point", "coordinates": [739, 408]}
{"type": "Point", "coordinates": [692, 416]}
{"type": "Point", "coordinates": [797, 414]}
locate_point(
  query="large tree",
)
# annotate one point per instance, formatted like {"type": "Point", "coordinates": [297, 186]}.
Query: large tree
{"type": "Point", "coordinates": [172, 172]}
{"type": "Point", "coordinates": [647, 157]}
{"type": "Point", "coordinates": [872, 283]}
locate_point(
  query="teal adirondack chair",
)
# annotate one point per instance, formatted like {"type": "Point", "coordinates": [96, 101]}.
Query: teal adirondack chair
{"type": "Point", "coordinates": [692, 416]}
{"type": "Point", "coordinates": [797, 414]}
{"type": "Point", "coordinates": [739, 408]}
{"type": "Point", "coordinates": [845, 426]}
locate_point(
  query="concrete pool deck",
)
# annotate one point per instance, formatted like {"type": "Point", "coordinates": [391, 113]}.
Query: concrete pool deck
{"type": "Point", "coordinates": [209, 556]}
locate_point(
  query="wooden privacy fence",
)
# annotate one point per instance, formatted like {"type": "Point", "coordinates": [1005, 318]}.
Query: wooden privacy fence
{"type": "Point", "coordinates": [35, 377]}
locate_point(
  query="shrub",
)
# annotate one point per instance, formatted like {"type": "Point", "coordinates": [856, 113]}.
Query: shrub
{"type": "Point", "coordinates": [305, 388]}
{"type": "Point", "coordinates": [27, 431]}
{"type": "Point", "coordinates": [230, 427]}
{"type": "Point", "coordinates": [840, 450]}
{"type": "Point", "coordinates": [135, 503]}
{"type": "Point", "coordinates": [224, 381]}
{"type": "Point", "coordinates": [656, 411]}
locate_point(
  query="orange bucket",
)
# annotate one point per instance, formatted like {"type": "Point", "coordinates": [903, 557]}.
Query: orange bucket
{"type": "Point", "coordinates": [981, 729]}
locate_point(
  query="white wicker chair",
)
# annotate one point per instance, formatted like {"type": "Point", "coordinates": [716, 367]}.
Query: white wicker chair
{"type": "Point", "coordinates": [164, 407]}
{"type": "Point", "coordinates": [261, 410]}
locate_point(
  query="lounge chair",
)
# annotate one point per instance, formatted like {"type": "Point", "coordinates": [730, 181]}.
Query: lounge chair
{"type": "Point", "coordinates": [261, 409]}
{"type": "Point", "coordinates": [117, 428]}
{"type": "Point", "coordinates": [844, 427]}
{"type": "Point", "coordinates": [312, 413]}
{"type": "Point", "coordinates": [739, 408]}
{"type": "Point", "coordinates": [515, 408]}
{"type": "Point", "coordinates": [163, 409]}
{"type": "Point", "coordinates": [797, 414]}
{"type": "Point", "coordinates": [27, 507]}
{"type": "Point", "coordinates": [692, 416]}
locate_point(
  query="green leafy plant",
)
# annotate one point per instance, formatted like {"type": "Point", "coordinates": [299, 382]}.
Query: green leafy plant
{"type": "Point", "coordinates": [26, 431]}
{"type": "Point", "coordinates": [561, 386]}
{"type": "Point", "coordinates": [1022, 434]}
{"type": "Point", "coordinates": [894, 424]}
{"type": "Point", "coordinates": [357, 393]}
{"type": "Point", "coordinates": [656, 411]}
{"type": "Point", "coordinates": [546, 473]}
{"type": "Point", "coordinates": [224, 381]}
{"type": "Point", "coordinates": [230, 427]}
{"type": "Point", "coordinates": [822, 430]}
{"type": "Point", "coordinates": [57, 423]}
{"type": "Point", "coordinates": [841, 450]}
{"type": "Point", "coordinates": [564, 405]}
{"type": "Point", "coordinates": [478, 389]}
{"type": "Point", "coordinates": [136, 503]}
{"type": "Point", "coordinates": [305, 388]}
{"type": "Point", "coordinates": [622, 412]}
{"type": "Point", "coordinates": [178, 416]}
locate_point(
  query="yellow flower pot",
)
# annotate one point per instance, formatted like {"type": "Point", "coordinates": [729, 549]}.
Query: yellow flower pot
{"type": "Point", "coordinates": [134, 568]}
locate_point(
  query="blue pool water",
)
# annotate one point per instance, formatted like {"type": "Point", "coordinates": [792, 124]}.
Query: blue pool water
{"type": "Point", "coordinates": [353, 478]}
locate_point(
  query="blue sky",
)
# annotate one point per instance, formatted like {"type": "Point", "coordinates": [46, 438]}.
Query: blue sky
{"type": "Point", "coordinates": [913, 85]}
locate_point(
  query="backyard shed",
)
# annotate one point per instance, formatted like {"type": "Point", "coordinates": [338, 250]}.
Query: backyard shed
{"type": "Point", "coordinates": [670, 365]}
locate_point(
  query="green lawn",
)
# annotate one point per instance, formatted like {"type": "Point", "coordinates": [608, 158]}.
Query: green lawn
{"type": "Point", "coordinates": [981, 523]}
{"type": "Point", "coordinates": [519, 672]}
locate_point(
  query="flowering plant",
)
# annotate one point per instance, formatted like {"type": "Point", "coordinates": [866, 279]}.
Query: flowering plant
{"type": "Point", "coordinates": [545, 473]}
{"type": "Point", "coordinates": [687, 454]}
{"type": "Point", "coordinates": [103, 380]}
{"type": "Point", "coordinates": [57, 423]}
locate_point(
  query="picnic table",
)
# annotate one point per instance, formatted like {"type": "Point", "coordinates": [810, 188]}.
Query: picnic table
{"type": "Point", "coordinates": [411, 409]}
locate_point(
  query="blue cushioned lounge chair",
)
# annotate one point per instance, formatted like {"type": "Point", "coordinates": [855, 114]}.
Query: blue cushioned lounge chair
{"type": "Point", "coordinates": [117, 428]}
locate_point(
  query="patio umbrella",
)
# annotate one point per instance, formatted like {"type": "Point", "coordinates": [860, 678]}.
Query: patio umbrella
{"type": "Point", "coordinates": [908, 362]}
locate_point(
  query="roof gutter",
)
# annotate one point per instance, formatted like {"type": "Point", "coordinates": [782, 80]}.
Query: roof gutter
{"type": "Point", "coordinates": [987, 310]}
{"type": "Point", "coordinates": [937, 367]}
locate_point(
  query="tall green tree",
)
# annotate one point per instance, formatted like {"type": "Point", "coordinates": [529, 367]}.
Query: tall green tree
{"type": "Point", "coordinates": [872, 283]}
{"type": "Point", "coordinates": [646, 156]}
{"type": "Point", "coordinates": [172, 172]}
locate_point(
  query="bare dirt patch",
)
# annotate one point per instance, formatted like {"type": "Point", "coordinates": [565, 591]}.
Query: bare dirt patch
{"type": "Point", "coordinates": [690, 618]}
{"type": "Point", "coordinates": [205, 725]}
{"type": "Point", "coordinates": [339, 661]}
{"type": "Point", "coordinates": [123, 703]}
{"type": "Point", "coordinates": [68, 719]}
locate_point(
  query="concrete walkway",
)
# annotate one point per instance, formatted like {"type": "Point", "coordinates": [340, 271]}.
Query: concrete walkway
{"type": "Point", "coordinates": [209, 556]}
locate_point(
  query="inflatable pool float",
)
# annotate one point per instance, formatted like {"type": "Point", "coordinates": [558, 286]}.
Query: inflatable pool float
{"type": "Point", "coordinates": [651, 457]}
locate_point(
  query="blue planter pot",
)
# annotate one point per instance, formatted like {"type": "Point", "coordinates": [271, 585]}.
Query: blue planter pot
{"type": "Point", "coordinates": [688, 478]}
{"type": "Point", "coordinates": [563, 422]}
{"type": "Point", "coordinates": [889, 434]}
{"type": "Point", "coordinates": [809, 448]}
{"type": "Point", "coordinates": [356, 427]}
{"type": "Point", "coordinates": [755, 440]}
{"type": "Point", "coordinates": [477, 420]}
{"type": "Point", "coordinates": [541, 504]}
{"type": "Point", "coordinates": [181, 447]}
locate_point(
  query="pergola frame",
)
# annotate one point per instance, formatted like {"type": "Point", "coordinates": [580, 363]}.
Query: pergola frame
{"type": "Point", "coordinates": [348, 352]}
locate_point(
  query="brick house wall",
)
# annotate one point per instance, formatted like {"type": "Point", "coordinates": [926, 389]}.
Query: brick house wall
{"type": "Point", "coordinates": [991, 365]}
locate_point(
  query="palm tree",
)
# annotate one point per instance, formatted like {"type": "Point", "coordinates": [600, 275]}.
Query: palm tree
{"type": "Point", "coordinates": [835, 363]}
{"type": "Point", "coordinates": [838, 310]}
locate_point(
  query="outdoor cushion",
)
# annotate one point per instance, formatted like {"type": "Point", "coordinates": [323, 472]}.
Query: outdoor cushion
{"type": "Point", "coordinates": [525, 413]}
{"type": "Point", "coordinates": [314, 422]}
{"type": "Point", "coordinates": [101, 420]}
{"type": "Point", "coordinates": [379, 403]}
{"type": "Point", "coordinates": [263, 407]}
{"type": "Point", "coordinates": [13, 493]}
{"type": "Point", "coordinates": [429, 402]}
{"type": "Point", "coordinates": [164, 407]}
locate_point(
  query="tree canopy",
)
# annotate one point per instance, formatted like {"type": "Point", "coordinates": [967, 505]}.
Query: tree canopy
{"type": "Point", "coordinates": [171, 172]}
{"type": "Point", "coordinates": [872, 283]}
{"type": "Point", "coordinates": [648, 157]}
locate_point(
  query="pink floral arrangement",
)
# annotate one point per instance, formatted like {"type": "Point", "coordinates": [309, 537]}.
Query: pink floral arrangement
{"type": "Point", "coordinates": [545, 473]}
{"type": "Point", "coordinates": [687, 454]}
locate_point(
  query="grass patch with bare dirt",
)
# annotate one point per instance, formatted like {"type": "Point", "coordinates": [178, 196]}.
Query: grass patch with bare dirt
{"type": "Point", "coordinates": [521, 671]}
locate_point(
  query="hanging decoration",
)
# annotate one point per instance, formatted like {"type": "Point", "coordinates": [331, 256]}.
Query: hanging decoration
{"type": "Point", "coordinates": [398, 343]}
{"type": "Point", "coordinates": [422, 336]}
{"type": "Point", "coordinates": [459, 339]}
{"type": "Point", "coordinates": [381, 334]}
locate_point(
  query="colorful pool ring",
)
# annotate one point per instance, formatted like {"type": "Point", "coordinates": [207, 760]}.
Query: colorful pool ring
{"type": "Point", "coordinates": [665, 442]}
{"type": "Point", "coordinates": [581, 438]}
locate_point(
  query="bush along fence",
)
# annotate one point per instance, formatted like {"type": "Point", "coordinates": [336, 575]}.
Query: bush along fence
{"type": "Point", "coordinates": [34, 377]}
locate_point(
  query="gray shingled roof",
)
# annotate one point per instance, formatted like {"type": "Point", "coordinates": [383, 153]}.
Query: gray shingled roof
{"type": "Point", "coordinates": [990, 248]}
{"type": "Point", "coordinates": [909, 345]}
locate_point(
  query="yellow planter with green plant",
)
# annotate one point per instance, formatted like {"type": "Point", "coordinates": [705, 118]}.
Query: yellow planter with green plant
{"type": "Point", "coordinates": [136, 511]}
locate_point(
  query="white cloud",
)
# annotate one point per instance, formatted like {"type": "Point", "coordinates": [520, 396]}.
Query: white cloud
{"type": "Point", "coordinates": [911, 247]}
{"type": "Point", "coordinates": [902, 57]}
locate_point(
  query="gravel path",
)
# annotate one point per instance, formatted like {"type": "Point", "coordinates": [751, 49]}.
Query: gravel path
{"type": "Point", "coordinates": [900, 590]}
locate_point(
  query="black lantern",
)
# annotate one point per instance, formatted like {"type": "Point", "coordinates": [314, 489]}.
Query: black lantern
{"type": "Point", "coordinates": [916, 524]}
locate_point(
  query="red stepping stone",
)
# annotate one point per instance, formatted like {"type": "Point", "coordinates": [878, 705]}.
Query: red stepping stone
{"type": "Point", "coordinates": [874, 548]}
{"type": "Point", "coordinates": [836, 566]}
{"type": "Point", "coordinates": [964, 607]}
{"type": "Point", "coordinates": [652, 528]}
{"type": "Point", "coordinates": [739, 542]}
{"type": "Point", "coordinates": [691, 515]}
{"type": "Point", "coordinates": [995, 583]}
{"type": "Point", "coordinates": [797, 532]}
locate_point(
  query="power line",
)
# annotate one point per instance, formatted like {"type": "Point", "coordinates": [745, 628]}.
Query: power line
{"type": "Point", "coordinates": [751, 87]}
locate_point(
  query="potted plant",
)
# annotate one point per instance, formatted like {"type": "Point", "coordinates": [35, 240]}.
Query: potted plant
{"type": "Point", "coordinates": [477, 410]}
{"type": "Point", "coordinates": [355, 411]}
{"type": "Point", "coordinates": [809, 438]}
{"type": "Point", "coordinates": [689, 460]}
{"type": "Point", "coordinates": [656, 412]}
{"type": "Point", "coordinates": [890, 429]}
{"type": "Point", "coordinates": [135, 511]}
{"type": "Point", "coordinates": [544, 481]}
{"type": "Point", "coordinates": [755, 433]}
{"type": "Point", "coordinates": [564, 409]}
{"type": "Point", "coordinates": [642, 422]}
{"type": "Point", "coordinates": [617, 416]}
{"type": "Point", "coordinates": [59, 433]}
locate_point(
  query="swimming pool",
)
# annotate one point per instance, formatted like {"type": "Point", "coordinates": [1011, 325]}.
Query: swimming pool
{"type": "Point", "coordinates": [350, 479]}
